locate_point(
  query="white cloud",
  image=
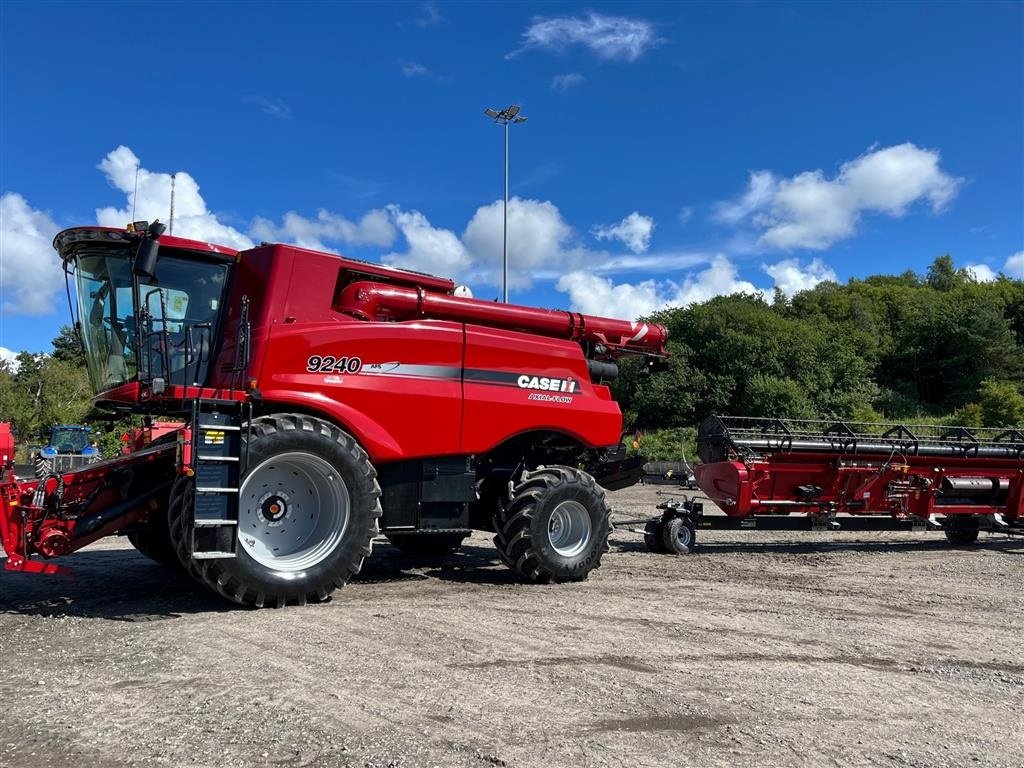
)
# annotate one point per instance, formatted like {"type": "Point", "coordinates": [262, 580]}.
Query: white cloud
{"type": "Point", "coordinates": [596, 295]}
{"type": "Point", "coordinates": [374, 228]}
{"type": "Point", "coordinates": [429, 16]}
{"type": "Point", "coordinates": [10, 357]}
{"type": "Point", "coordinates": [273, 107]}
{"type": "Point", "coordinates": [538, 237]}
{"type": "Point", "coordinates": [414, 69]}
{"type": "Point", "coordinates": [791, 278]}
{"type": "Point", "coordinates": [760, 188]}
{"type": "Point", "coordinates": [1014, 266]}
{"type": "Point", "coordinates": [30, 271]}
{"type": "Point", "coordinates": [981, 272]}
{"type": "Point", "coordinates": [430, 249]}
{"type": "Point", "coordinates": [562, 83]}
{"type": "Point", "coordinates": [812, 211]}
{"type": "Point", "coordinates": [608, 37]}
{"type": "Point", "coordinates": [685, 214]}
{"type": "Point", "coordinates": [634, 231]}
{"type": "Point", "coordinates": [153, 201]}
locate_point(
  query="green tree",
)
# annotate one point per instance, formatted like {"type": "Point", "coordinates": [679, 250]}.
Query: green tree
{"type": "Point", "coordinates": [1002, 404]}
{"type": "Point", "coordinates": [779, 398]}
{"type": "Point", "coordinates": [67, 347]}
{"type": "Point", "coordinates": [944, 276]}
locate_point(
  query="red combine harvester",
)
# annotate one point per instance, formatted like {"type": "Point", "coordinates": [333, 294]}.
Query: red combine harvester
{"type": "Point", "coordinates": [324, 399]}
{"type": "Point", "coordinates": [775, 473]}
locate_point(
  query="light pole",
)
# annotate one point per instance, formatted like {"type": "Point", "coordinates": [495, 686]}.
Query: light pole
{"type": "Point", "coordinates": [508, 115]}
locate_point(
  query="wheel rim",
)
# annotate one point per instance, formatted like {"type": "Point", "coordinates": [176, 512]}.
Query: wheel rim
{"type": "Point", "coordinates": [569, 528]}
{"type": "Point", "coordinates": [684, 536]}
{"type": "Point", "coordinates": [293, 511]}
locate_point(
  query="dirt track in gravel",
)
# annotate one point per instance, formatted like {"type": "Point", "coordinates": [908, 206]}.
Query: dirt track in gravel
{"type": "Point", "coordinates": [780, 649]}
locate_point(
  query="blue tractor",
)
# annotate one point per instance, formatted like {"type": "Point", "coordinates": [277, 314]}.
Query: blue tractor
{"type": "Point", "coordinates": [69, 449]}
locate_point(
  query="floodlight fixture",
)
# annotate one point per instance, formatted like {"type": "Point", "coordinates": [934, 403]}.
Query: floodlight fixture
{"type": "Point", "coordinates": [508, 115]}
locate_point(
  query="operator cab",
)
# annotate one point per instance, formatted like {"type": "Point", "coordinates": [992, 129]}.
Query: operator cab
{"type": "Point", "coordinates": [139, 327]}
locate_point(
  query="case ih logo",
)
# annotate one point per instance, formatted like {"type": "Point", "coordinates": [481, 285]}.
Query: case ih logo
{"type": "Point", "coordinates": [546, 384]}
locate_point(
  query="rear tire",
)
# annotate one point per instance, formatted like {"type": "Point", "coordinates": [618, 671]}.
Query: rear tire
{"type": "Point", "coordinates": [308, 509]}
{"type": "Point", "coordinates": [556, 526]}
{"type": "Point", "coordinates": [426, 544]}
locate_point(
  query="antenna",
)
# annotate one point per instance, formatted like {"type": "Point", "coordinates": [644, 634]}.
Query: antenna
{"type": "Point", "coordinates": [173, 177]}
{"type": "Point", "coordinates": [135, 194]}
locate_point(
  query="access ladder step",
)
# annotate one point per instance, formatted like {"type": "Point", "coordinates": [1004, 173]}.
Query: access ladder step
{"type": "Point", "coordinates": [217, 467]}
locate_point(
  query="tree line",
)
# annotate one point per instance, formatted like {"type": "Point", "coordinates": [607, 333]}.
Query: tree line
{"type": "Point", "coordinates": [939, 348]}
{"type": "Point", "coordinates": [935, 348]}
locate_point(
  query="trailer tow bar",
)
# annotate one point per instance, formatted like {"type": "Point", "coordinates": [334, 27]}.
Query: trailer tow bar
{"type": "Point", "coordinates": [673, 531]}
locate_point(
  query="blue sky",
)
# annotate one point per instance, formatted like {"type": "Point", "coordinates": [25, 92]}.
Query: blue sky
{"type": "Point", "coordinates": [673, 151]}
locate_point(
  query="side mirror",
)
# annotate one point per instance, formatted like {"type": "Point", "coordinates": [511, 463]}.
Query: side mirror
{"type": "Point", "coordinates": [146, 256]}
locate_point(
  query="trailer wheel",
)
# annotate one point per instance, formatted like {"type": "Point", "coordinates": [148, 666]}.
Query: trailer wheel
{"type": "Point", "coordinates": [653, 532]}
{"type": "Point", "coordinates": [678, 536]}
{"type": "Point", "coordinates": [556, 526]}
{"type": "Point", "coordinates": [426, 544]}
{"type": "Point", "coordinates": [308, 509]}
{"type": "Point", "coordinates": [962, 533]}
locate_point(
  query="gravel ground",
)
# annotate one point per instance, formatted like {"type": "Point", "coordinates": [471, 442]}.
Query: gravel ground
{"type": "Point", "coordinates": [778, 649]}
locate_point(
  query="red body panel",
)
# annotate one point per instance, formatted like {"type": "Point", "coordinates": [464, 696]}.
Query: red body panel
{"type": "Point", "coordinates": [497, 406]}
{"type": "Point", "coordinates": [6, 446]}
{"type": "Point", "coordinates": [404, 401]}
{"type": "Point", "coordinates": [435, 377]}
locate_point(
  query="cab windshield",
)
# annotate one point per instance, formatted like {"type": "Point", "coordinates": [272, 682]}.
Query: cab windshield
{"type": "Point", "coordinates": [69, 439]}
{"type": "Point", "coordinates": [170, 333]}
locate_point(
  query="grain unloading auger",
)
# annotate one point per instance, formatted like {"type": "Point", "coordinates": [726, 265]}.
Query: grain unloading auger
{"type": "Point", "coordinates": [324, 400]}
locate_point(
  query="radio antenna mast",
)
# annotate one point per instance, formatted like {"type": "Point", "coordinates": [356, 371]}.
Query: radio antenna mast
{"type": "Point", "coordinates": [135, 194]}
{"type": "Point", "coordinates": [173, 177]}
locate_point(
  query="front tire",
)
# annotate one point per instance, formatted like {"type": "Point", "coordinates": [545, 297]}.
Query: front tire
{"type": "Point", "coordinates": [308, 509]}
{"type": "Point", "coordinates": [556, 526]}
{"type": "Point", "coordinates": [155, 542]}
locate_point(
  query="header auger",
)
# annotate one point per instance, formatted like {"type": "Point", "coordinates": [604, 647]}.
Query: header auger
{"type": "Point", "coordinates": [324, 400]}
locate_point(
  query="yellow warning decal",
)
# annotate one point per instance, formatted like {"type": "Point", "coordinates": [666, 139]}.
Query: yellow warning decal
{"type": "Point", "coordinates": [213, 437]}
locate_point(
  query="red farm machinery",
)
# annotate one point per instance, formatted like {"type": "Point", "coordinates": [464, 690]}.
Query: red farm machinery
{"type": "Point", "coordinates": [324, 400]}
{"type": "Point", "coordinates": [787, 474]}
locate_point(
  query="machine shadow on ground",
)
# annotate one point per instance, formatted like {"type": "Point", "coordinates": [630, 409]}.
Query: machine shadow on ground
{"type": "Point", "coordinates": [116, 584]}
{"type": "Point", "coordinates": [122, 585]}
